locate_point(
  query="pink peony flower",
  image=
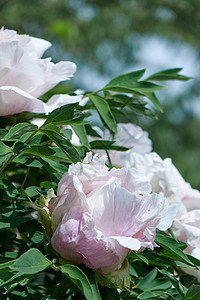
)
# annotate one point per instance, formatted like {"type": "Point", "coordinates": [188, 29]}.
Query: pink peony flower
{"type": "Point", "coordinates": [100, 215]}
{"type": "Point", "coordinates": [24, 76]}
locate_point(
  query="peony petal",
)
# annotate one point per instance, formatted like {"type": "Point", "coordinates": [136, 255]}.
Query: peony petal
{"type": "Point", "coordinates": [40, 46]}
{"type": "Point", "coordinates": [128, 242]}
{"type": "Point", "coordinates": [52, 74]}
{"type": "Point", "coordinates": [14, 100]}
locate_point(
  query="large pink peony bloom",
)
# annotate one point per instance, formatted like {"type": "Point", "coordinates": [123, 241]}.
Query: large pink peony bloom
{"type": "Point", "coordinates": [24, 76]}
{"type": "Point", "coordinates": [99, 215]}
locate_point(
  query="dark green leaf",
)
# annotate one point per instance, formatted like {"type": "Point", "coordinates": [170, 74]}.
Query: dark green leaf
{"type": "Point", "coordinates": [169, 74]}
{"type": "Point", "coordinates": [109, 294]}
{"type": "Point", "coordinates": [18, 147]}
{"type": "Point", "coordinates": [27, 161]}
{"type": "Point", "coordinates": [126, 78]}
{"type": "Point", "coordinates": [182, 290]}
{"type": "Point", "coordinates": [40, 150]}
{"type": "Point", "coordinates": [104, 111]}
{"type": "Point", "coordinates": [107, 145]}
{"type": "Point", "coordinates": [172, 248]}
{"type": "Point", "coordinates": [152, 97]}
{"type": "Point", "coordinates": [193, 292]}
{"type": "Point", "coordinates": [128, 83]}
{"type": "Point", "coordinates": [81, 281]}
{"type": "Point", "coordinates": [3, 132]}
{"type": "Point", "coordinates": [64, 115]}
{"type": "Point", "coordinates": [64, 145]}
{"type": "Point", "coordinates": [81, 133]}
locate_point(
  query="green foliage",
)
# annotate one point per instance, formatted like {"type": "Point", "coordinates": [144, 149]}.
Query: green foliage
{"type": "Point", "coordinates": [33, 160]}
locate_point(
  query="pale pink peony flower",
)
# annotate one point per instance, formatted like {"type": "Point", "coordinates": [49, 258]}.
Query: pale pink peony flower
{"type": "Point", "coordinates": [24, 76]}
{"type": "Point", "coordinates": [100, 215]}
{"type": "Point", "coordinates": [129, 135]}
{"type": "Point", "coordinates": [165, 179]}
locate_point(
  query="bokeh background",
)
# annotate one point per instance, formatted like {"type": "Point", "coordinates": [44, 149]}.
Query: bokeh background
{"type": "Point", "coordinates": [107, 38]}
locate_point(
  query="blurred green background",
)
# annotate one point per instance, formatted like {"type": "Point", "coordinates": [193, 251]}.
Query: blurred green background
{"type": "Point", "coordinates": [108, 38]}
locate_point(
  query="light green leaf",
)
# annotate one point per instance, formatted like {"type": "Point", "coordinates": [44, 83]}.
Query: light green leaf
{"type": "Point", "coordinates": [104, 111]}
{"type": "Point", "coordinates": [31, 262]}
{"type": "Point", "coordinates": [81, 281]}
{"type": "Point", "coordinates": [18, 130]}
{"type": "Point", "coordinates": [4, 149]}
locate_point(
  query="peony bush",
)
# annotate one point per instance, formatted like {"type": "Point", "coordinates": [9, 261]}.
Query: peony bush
{"type": "Point", "coordinates": [88, 212]}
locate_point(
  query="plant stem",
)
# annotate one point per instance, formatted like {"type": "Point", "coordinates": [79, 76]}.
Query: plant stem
{"type": "Point", "coordinates": [62, 288]}
{"type": "Point", "coordinates": [25, 177]}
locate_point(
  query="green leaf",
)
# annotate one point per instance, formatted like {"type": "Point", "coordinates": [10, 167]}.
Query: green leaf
{"type": "Point", "coordinates": [151, 283]}
{"type": "Point", "coordinates": [117, 279]}
{"type": "Point", "coordinates": [152, 97]}
{"type": "Point", "coordinates": [53, 167]}
{"type": "Point", "coordinates": [109, 294]}
{"type": "Point", "coordinates": [3, 132]}
{"type": "Point", "coordinates": [18, 130]}
{"type": "Point", "coordinates": [18, 147]}
{"type": "Point", "coordinates": [40, 150]}
{"type": "Point", "coordinates": [107, 145]}
{"type": "Point", "coordinates": [104, 111]}
{"type": "Point", "coordinates": [4, 149]}
{"type": "Point", "coordinates": [182, 290]}
{"type": "Point", "coordinates": [193, 292]}
{"type": "Point", "coordinates": [155, 294]}
{"type": "Point", "coordinates": [125, 78]}
{"type": "Point", "coordinates": [128, 83]}
{"type": "Point", "coordinates": [81, 133]}
{"type": "Point", "coordinates": [64, 145]}
{"type": "Point", "coordinates": [27, 161]}
{"type": "Point", "coordinates": [172, 248]}
{"type": "Point", "coordinates": [67, 133]}
{"type": "Point", "coordinates": [81, 281]}
{"type": "Point", "coordinates": [31, 262]}
{"type": "Point", "coordinates": [169, 74]}
{"type": "Point", "coordinates": [64, 115]}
